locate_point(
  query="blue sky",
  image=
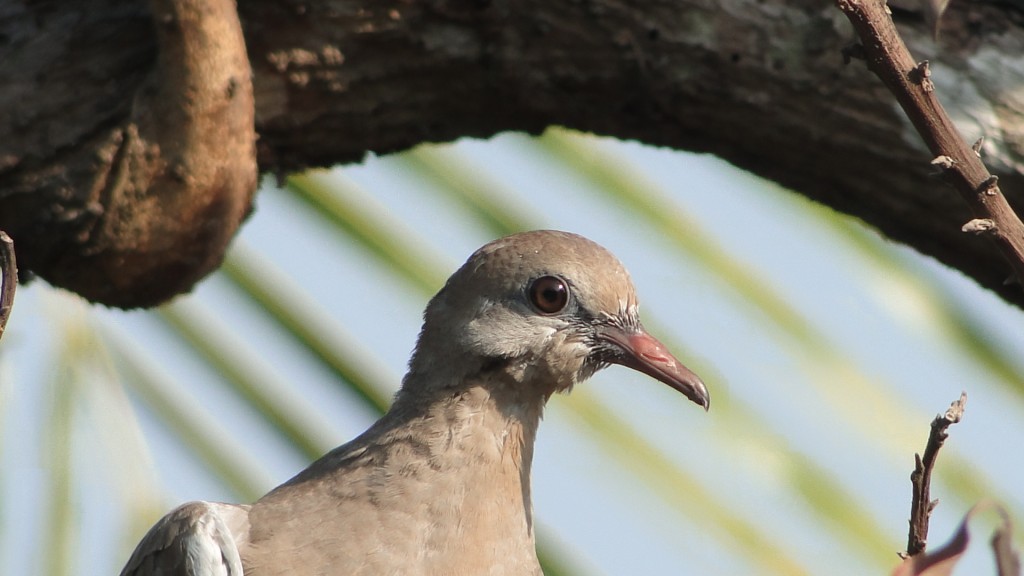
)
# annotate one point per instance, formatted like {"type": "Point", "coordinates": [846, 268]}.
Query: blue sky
{"type": "Point", "coordinates": [856, 399]}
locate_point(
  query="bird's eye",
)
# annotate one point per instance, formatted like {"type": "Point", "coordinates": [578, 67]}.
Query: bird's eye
{"type": "Point", "coordinates": [549, 294]}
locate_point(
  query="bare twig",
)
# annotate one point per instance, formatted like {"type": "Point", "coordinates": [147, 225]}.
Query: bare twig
{"type": "Point", "coordinates": [888, 57]}
{"type": "Point", "coordinates": [8, 279]}
{"type": "Point", "coordinates": [921, 504]}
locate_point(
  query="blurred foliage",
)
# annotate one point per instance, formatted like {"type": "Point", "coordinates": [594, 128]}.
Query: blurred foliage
{"type": "Point", "coordinates": [97, 355]}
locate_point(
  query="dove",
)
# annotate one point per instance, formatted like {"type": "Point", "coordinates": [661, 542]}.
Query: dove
{"type": "Point", "coordinates": [440, 485]}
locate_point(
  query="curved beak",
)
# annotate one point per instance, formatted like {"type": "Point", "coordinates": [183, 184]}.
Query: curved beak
{"type": "Point", "coordinates": [636, 349]}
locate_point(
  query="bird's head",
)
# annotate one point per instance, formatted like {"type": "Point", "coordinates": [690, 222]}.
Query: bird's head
{"type": "Point", "coordinates": [550, 309]}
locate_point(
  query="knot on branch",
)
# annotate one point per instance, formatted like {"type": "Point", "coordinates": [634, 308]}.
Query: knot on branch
{"type": "Point", "coordinates": [979, 226]}
{"type": "Point", "coordinates": [989, 186]}
{"type": "Point", "coordinates": [943, 162]}
{"type": "Point", "coordinates": [922, 75]}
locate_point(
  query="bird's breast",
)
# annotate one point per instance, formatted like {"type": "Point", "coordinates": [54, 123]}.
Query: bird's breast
{"type": "Point", "coordinates": [449, 489]}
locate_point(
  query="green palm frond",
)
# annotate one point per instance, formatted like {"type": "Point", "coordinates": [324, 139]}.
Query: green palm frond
{"type": "Point", "coordinates": [109, 377]}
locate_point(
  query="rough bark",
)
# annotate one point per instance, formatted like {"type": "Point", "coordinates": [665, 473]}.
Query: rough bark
{"type": "Point", "coordinates": [759, 83]}
{"type": "Point", "coordinates": [124, 169]}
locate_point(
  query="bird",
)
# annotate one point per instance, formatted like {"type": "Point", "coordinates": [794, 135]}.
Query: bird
{"type": "Point", "coordinates": [440, 485]}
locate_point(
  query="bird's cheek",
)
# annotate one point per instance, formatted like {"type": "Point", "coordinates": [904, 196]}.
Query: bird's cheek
{"type": "Point", "coordinates": [513, 340]}
{"type": "Point", "coordinates": [568, 368]}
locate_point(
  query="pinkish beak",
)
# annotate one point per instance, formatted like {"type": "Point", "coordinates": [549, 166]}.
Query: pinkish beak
{"type": "Point", "coordinates": [644, 353]}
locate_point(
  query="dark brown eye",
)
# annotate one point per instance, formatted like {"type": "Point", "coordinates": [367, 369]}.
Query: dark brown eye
{"type": "Point", "coordinates": [549, 294]}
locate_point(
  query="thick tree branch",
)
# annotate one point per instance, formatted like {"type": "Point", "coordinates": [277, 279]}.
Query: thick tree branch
{"type": "Point", "coordinates": [143, 205]}
{"type": "Point", "coordinates": [8, 279]}
{"type": "Point", "coordinates": [921, 504]}
{"type": "Point", "coordinates": [755, 82]}
{"type": "Point", "coordinates": [961, 165]}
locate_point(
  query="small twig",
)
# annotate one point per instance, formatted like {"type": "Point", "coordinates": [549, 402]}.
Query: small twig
{"type": "Point", "coordinates": [921, 504]}
{"type": "Point", "coordinates": [8, 279]}
{"type": "Point", "coordinates": [887, 56]}
{"type": "Point", "coordinates": [977, 146]}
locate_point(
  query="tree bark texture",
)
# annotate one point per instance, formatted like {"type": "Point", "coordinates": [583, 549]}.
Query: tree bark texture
{"type": "Point", "coordinates": [89, 99]}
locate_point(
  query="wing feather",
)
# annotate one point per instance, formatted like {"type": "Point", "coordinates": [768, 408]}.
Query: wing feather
{"type": "Point", "coordinates": [194, 539]}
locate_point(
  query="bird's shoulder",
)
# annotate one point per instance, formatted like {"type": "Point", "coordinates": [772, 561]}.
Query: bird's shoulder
{"type": "Point", "coordinates": [194, 539]}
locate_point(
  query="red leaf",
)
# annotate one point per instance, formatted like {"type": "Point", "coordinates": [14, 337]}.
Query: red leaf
{"type": "Point", "coordinates": [942, 561]}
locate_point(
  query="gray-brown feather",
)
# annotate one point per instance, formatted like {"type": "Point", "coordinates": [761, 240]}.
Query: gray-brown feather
{"type": "Point", "coordinates": [441, 484]}
{"type": "Point", "coordinates": [194, 539]}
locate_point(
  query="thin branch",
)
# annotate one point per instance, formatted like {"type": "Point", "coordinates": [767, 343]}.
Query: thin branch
{"type": "Point", "coordinates": [921, 504]}
{"type": "Point", "coordinates": [8, 279]}
{"type": "Point", "coordinates": [887, 56]}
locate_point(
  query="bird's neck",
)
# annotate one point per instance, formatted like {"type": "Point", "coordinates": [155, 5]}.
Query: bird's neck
{"type": "Point", "coordinates": [485, 420]}
{"type": "Point", "coordinates": [442, 479]}
{"type": "Point", "coordinates": [478, 437]}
